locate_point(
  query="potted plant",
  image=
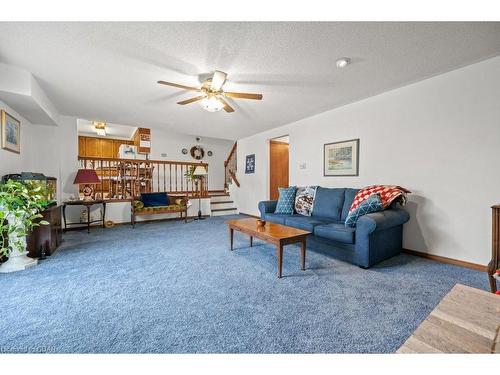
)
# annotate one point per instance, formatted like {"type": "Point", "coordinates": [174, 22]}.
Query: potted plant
{"type": "Point", "coordinates": [20, 209]}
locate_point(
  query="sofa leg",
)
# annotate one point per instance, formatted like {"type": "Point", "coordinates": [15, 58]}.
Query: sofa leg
{"type": "Point", "coordinates": [363, 267]}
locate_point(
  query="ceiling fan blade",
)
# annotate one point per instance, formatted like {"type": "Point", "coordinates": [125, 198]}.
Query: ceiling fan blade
{"type": "Point", "coordinates": [218, 80]}
{"type": "Point", "coordinates": [227, 107]}
{"type": "Point", "coordinates": [243, 95]}
{"type": "Point", "coordinates": [179, 86]}
{"type": "Point", "coordinates": [192, 100]}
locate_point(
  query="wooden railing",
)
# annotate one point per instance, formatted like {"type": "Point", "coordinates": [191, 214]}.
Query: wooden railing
{"type": "Point", "coordinates": [127, 178]}
{"type": "Point", "coordinates": [230, 168]}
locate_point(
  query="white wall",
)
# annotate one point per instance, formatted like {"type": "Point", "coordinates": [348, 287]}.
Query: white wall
{"type": "Point", "coordinates": [171, 144]}
{"type": "Point", "coordinates": [11, 162]}
{"type": "Point", "coordinates": [439, 138]}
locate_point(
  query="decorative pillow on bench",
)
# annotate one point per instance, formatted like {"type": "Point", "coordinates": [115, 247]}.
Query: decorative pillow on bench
{"type": "Point", "coordinates": [372, 204]}
{"type": "Point", "coordinates": [286, 201]}
{"type": "Point", "coordinates": [155, 199]}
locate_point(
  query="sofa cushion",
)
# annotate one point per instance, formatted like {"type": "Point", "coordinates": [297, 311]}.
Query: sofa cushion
{"type": "Point", "coordinates": [275, 218]}
{"type": "Point", "coordinates": [286, 201]}
{"type": "Point", "coordinates": [336, 232]}
{"type": "Point", "coordinates": [305, 222]}
{"type": "Point", "coordinates": [157, 209]}
{"type": "Point", "coordinates": [328, 203]}
{"type": "Point", "coordinates": [348, 198]}
{"type": "Point", "coordinates": [372, 204]}
{"type": "Point", "coordinates": [155, 199]}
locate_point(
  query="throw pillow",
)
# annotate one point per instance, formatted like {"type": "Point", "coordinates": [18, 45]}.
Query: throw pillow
{"type": "Point", "coordinates": [286, 201]}
{"type": "Point", "coordinates": [154, 199]}
{"type": "Point", "coordinates": [304, 200]}
{"type": "Point", "coordinates": [388, 194]}
{"type": "Point", "coordinates": [372, 204]}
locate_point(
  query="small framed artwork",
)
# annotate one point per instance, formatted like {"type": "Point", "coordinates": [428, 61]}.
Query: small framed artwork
{"type": "Point", "coordinates": [250, 164]}
{"type": "Point", "coordinates": [341, 158]}
{"type": "Point", "coordinates": [11, 133]}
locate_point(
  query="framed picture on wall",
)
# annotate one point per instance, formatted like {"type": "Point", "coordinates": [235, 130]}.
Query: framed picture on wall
{"type": "Point", "coordinates": [341, 158]}
{"type": "Point", "coordinates": [250, 164]}
{"type": "Point", "coordinates": [11, 133]}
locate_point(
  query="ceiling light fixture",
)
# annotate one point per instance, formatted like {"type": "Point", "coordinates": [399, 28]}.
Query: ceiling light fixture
{"type": "Point", "coordinates": [100, 128]}
{"type": "Point", "coordinates": [343, 62]}
{"type": "Point", "coordinates": [211, 103]}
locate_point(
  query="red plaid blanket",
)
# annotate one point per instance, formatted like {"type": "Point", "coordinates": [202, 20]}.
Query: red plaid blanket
{"type": "Point", "coordinates": [388, 193]}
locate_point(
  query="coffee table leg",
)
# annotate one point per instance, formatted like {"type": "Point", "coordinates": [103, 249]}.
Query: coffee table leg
{"type": "Point", "coordinates": [303, 255]}
{"type": "Point", "coordinates": [251, 241]}
{"type": "Point", "coordinates": [279, 256]}
{"type": "Point", "coordinates": [231, 233]}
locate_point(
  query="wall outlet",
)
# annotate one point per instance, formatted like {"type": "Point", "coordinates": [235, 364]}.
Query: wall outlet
{"type": "Point", "coordinates": [302, 166]}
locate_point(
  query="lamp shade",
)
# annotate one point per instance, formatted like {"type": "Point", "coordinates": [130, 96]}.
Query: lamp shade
{"type": "Point", "coordinates": [200, 170]}
{"type": "Point", "coordinates": [86, 176]}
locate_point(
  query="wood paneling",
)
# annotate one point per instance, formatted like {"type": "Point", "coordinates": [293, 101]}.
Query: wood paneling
{"type": "Point", "coordinates": [278, 167]}
{"type": "Point", "coordinates": [94, 147]}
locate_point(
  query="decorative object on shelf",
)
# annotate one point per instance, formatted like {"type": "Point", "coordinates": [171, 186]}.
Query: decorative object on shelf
{"type": "Point", "coordinates": [341, 158]}
{"type": "Point", "coordinates": [261, 223]}
{"type": "Point", "coordinates": [199, 173]}
{"type": "Point", "coordinates": [210, 153]}
{"type": "Point", "coordinates": [11, 133]}
{"type": "Point", "coordinates": [250, 164]}
{"type": "Point", "coordinates": [184, 151]}
{"type": "Point", "coordinates": [197, 152]}
{"type": "Point", "coordinates": [20, 209]}
{"type": "Point", "coordinates": [212, 97]}
{"type": "Point", "coordinates": [87, 177]}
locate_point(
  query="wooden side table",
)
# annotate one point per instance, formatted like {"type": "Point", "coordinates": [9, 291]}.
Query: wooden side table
{"type": "Point", "coordinates": [495, 246]}
{"type": "Point", "coordinates": [87, 204]}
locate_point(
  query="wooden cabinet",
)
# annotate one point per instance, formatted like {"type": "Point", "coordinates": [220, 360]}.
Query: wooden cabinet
{"type": "Point", "coordinates": [94, 147]}
{"type": "Point", "coordinates": [142, 139]}
{"type": "Point", "coordinates": [48, 237]}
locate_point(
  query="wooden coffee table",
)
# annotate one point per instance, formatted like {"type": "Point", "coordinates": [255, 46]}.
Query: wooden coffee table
{"type": "Point", "coordinates": [276, 234]}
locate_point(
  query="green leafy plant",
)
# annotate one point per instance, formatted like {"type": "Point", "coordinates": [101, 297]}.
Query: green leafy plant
{"type": "Point", "coordinates": [190, 174]}
{"type": "Point", "coordinates": [20, 209]}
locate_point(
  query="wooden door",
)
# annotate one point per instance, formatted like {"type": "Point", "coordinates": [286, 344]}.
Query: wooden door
{"type": "Point", "coordinates": [81, 146]}
{"type": "Point", "coordinates": [106, 148]}
{"type": "Point", "coordinates": [92, 147]}
{"type": "Point", "coordinates": [278, 167]}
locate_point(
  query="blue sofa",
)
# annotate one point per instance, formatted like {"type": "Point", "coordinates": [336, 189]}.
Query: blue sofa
{"type": "Point", "coordinates": [376, 237]}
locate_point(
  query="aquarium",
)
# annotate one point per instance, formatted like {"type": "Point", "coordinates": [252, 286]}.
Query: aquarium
{"type": "Point", "coordinates": [47, 185]}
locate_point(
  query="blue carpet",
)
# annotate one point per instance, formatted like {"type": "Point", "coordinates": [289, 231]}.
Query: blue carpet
{"type": "Point", "coordinates": [170, 287]}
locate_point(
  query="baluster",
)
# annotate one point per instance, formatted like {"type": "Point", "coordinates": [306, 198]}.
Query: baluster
{"type": "Point", "coordinates": [164, 179]}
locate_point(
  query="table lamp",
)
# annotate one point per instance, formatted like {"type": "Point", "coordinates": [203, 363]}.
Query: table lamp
{"type": "Point", "coordinates": [199, 172]}
{"type": "Point", "coordinates": [87, 177]}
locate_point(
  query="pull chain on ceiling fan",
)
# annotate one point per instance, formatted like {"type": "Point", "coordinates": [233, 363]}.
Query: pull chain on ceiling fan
{"type": "Point", "coordinates": [212, 96]}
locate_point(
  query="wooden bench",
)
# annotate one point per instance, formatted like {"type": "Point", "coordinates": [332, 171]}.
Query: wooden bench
{"type": "Point", "coordinates": [137, 209]}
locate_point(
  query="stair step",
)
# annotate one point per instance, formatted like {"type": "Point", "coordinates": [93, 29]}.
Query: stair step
{"type": "Point", "coordinates": [219, 212]}
{"type": "Point", "coordinates": [221, 202]}
{"type": "Point", "coordinates": [224, 209]}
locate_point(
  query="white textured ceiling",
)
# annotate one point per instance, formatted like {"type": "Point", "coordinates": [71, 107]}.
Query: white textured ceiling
{"type": "Point", "coordinates": [108, 71]}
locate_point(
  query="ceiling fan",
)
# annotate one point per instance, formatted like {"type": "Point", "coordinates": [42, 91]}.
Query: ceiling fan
{"type": "Point", "coordinates": [212, 97]}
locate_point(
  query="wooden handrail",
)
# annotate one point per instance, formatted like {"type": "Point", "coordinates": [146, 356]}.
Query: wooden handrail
{"type": "Point", "coordinates": [233, 149]}
{"type": "Point", "coordinates": [145, 161]}
{"type": "Point", "coordinates": [233, 176]}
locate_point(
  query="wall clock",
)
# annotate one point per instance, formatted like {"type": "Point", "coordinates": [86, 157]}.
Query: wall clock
{"type": "Point", "coordinates": [197, 152]}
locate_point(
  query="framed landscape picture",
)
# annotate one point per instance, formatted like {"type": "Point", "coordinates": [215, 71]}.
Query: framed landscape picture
{"type": "Point", "coordinates": [11, 133]}
{"type": "Point", "coordinates": [341, 158]}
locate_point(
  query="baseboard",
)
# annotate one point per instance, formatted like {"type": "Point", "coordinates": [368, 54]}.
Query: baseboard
{"type": "Point", "coordinates": [456, 262]}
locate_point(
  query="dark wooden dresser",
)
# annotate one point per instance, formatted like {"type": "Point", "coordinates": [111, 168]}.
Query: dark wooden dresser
{"type": "Point", "coordinates": [46, 237]}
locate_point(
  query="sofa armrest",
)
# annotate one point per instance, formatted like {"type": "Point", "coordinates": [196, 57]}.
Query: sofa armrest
{"type": "Point", "coordinates": [376, 221]}
{"type": "Point", "coordinates": [267, 207]}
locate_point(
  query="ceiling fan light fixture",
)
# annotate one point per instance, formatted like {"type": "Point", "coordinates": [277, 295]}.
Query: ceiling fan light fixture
{"type": "Point", "coordinates": [211, 104]}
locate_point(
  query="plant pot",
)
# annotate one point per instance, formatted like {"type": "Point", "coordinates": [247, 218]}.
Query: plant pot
{"type": "Point", "coordinates": [18, 256]}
